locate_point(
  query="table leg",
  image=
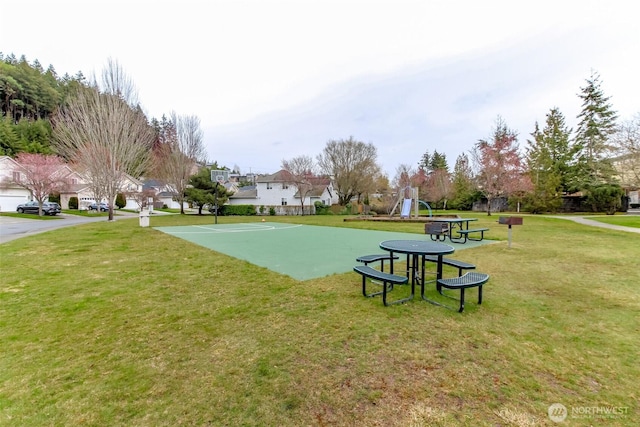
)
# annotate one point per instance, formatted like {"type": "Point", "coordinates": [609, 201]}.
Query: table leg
{"type": "Point", "coordinates": [438, 276]}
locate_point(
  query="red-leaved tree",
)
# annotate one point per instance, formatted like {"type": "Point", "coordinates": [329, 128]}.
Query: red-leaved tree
{"type": "Point", "coordinates": [42, 175]}
{"type": "Point", "coordinates": [501, 169]}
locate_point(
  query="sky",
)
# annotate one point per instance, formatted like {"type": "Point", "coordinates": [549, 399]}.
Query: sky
{"type": "Point", "coordinates": [273, 80]}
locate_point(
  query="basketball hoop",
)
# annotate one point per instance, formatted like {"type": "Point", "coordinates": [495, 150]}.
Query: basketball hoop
{"type": "Point", "coordinates": [219, 177]}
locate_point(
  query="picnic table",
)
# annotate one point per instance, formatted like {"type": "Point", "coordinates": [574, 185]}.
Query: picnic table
{"type": "Point", "coordinates": [441, 228]}
{"type": "Point", "coordinates": [418, 252]}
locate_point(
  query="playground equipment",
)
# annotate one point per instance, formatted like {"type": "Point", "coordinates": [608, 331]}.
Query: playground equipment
{"type": "Point", "coordinates": [426, 205]}
{"type": "Point", "coordinates": [408, 197]}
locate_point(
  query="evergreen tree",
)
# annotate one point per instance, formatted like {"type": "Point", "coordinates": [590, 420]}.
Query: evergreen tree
{"type": "Point", "coordinates": [464, 190]}
{"type": "Point", "coordinates": [548, 158]}
{"type": "Point", "coordinates": [430, 163]}
{"type": "Point", "coordinates": [202, 190]}
{"type": "Point", "coordinates": [592, 146]}
{"type": "Point", "coordinates": [9, 139]}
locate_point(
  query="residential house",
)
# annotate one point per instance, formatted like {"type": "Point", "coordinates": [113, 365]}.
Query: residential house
{"type": "Point", "coordinates": [628, 173]}
{"type": "Point", "coordinates": [78, 187]}
{"type": "Point", "coordinates": [276, 192]}
{"type": "Point", "coordinates": [11, 194]}
{"type": "Point", "coordinates": [163, 197]}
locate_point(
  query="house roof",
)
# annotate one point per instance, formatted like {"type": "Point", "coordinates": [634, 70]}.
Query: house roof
{"type": "Point", "coordinates": [316, 191]}
{"type": "Point", "coordinates": [246, 192]}
{"type": "Point", "coordinates": [280, 176]}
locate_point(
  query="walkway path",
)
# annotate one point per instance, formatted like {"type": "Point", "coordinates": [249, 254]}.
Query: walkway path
{"type": "Point", "coordinates": [587, 221]}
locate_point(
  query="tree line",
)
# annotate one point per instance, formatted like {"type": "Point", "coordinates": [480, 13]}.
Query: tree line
{"type": "Point", "coordinates": [98, 126]}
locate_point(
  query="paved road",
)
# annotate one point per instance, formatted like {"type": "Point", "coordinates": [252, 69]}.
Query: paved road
{"type": "Point", "coordinates": [13, 228]}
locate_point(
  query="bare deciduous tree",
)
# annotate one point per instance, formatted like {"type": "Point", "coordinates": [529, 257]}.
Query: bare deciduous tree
{"type": "Point", "coordinates": [627, 143]}
{"type": "Point", "coordinates": [353, 166]}
{"type": "Point", "coordinates": [300, 175]}
{"type": "Point", "coordinates": [42, 175]}
{"type": "Point", "coordinates": [104, 136]}
{"type": "Point", "coordinates": [181, 151]}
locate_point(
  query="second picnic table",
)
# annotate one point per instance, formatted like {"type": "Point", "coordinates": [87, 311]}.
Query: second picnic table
{"type": "Point", "coordinates": [445, 227]}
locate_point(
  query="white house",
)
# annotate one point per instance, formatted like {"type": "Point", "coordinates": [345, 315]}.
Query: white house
{"type": "Point", "coordinates": [275, 192]}
{"type": "Point", "coordinates": [11, 195]}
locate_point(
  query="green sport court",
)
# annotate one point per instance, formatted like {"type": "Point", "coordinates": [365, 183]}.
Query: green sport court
{"type": "Point", "coordinates": [301, 251]}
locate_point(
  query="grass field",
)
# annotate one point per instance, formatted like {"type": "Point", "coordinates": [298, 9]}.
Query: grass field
{"type": "Point", "coordinates": [113, 324]}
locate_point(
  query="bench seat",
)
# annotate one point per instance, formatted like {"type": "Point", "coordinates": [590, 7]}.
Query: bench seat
{"type": "Point", "coordinates": [367, 259]}
{"type": "Point", "coordinates": [387, 279]}
{"type": "Point", "coordinates": [464, 234]}
{"type": "Point", "coordinates": [468, 280]}
{"type": "Point", "coordinates": [460, 265]}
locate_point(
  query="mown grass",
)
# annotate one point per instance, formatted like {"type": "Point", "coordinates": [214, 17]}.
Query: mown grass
{"type": "Point", "coordinates": [114, 324]}
{"type": "Point", "coordinates": [29, 216]}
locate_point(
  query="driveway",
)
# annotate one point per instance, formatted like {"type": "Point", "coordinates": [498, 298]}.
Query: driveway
{"type": "Point", "coordinates": [13, 228]}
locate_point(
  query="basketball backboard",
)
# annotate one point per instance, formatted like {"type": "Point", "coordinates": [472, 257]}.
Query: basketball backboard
{"type": "Point", "coordinates": [220, 176]}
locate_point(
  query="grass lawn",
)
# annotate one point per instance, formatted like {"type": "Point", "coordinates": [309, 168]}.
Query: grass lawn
{"type": "Point", "coordinates": [114, 324]}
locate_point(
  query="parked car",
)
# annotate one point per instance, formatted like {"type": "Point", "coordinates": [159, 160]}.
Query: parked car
{"type": "Point", "coordinates": [48, 208]}
{"type": "Point", "coordinates": [102, 206]}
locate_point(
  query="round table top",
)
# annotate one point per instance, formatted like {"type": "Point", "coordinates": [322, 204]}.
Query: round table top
{"type": "Point", "coordinates": [417, 247]}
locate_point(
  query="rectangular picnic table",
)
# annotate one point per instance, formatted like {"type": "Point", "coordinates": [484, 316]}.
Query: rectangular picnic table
{"type": "Point", "coordinates": [458, 225]}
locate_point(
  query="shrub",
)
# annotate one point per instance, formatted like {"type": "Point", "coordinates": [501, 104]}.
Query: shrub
{"type": "Point", "coordinates": [73, 202]}
{"type": "Point", "coordinates": [322, 209]}
{"type": "Point", "coordinates": [272, 211]}
{"type": "Point", "coordinates": [605, 198]}
{"type": "Point", "coordinates": [54, 198]}
{"type": "Point", "coordinates": [237, 210]}
{"type": "Point", "coordinates": [635, 205]}
{"type": "Point", "coordinates": [121, 202]}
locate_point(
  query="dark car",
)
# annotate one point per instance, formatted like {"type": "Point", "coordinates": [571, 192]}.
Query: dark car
{"type": "Point", "coordinates": [102, 206]}
{"type": "Point", "coordinates": [48, 208]}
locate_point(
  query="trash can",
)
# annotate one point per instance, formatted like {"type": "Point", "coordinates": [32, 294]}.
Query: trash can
{"type": "Point", "coordinates": [144, 218]}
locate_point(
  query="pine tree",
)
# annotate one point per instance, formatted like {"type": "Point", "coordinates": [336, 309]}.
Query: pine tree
{"type": "Point", "coordinates": [592, 146]}
{"type": "Point", "coordinates": [548, 157]}
{"type": "Point", "coordinates": [463, 186]}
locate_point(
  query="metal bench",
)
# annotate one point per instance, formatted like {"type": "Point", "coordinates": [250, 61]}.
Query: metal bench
{"type": "Point", "coordinates": [387, 279]}
{"type": "Point", "coordinates": [460, 265]}
{"type": "Point", "coordinates": [367, 259]}
{"type": "Point", "coordinates": [464, 235]}
{"type": "Point", "coordinates": [468, 280]}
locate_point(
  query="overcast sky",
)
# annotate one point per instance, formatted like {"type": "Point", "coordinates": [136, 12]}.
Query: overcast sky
{"type": "Point", "coordinates": [272, 80]}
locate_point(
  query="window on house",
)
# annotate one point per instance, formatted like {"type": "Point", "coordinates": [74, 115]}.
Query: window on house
{"type": "Point", "coordinates": [269, 186]}
{"type": "Point", "coordinates": [285, 186]}
{"type": "Point", "coordinates": [74, 181]}
{"type": "Point", "coordinates": [16, 176]}
{"type": "Point", "coordinates": [284, 202]}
